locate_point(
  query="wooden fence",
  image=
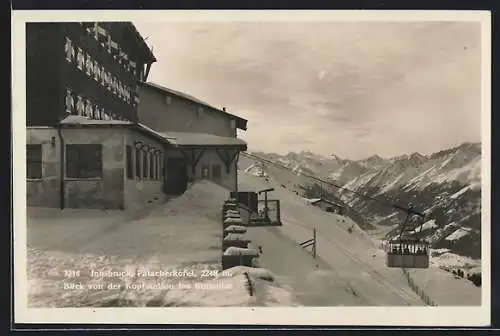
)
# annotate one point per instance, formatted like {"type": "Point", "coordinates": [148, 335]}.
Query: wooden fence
{"type": "Point", "coordinates": [418, 290]}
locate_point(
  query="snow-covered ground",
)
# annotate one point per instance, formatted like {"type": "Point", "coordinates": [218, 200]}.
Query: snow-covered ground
{"type": "Point", "coordinates": [355, 257]}
{"type": "Point", "coordinates": [70, 250]}
{"type": "Point", "coordinates": [444, 259]}
{"type": "Point", "coordinates": [72, 254]}
{"type": "Point", "coordinates": [445, 289]}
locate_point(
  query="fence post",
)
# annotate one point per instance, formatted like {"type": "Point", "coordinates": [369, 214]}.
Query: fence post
{"type": "Point", "coordinates": [314, 244]}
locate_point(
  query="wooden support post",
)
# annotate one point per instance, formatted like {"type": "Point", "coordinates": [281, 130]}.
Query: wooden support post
{"type": "Point", "coordinates": [193, 157]}
{"type": "Point", "coordinates": [266, 208]}
{"type": "Point", "coordinates": [314, 244]}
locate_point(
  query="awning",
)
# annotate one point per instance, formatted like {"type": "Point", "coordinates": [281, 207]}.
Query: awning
{"type": "Point", "coordinates": [189, 140]}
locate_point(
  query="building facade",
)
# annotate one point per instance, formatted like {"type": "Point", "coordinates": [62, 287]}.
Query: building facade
{"type": "Point", "coordinates": [82, 117]}
{"type": "Point", "coordinates": [98, 136]}
{"type": "Point", "coordinates": [205, 138]}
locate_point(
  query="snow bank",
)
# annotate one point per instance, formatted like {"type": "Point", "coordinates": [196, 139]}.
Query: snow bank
{"type": "Point", "coordinates": [451, 260]}
{"type": "Point", "coordinates": [257, 273]}
{"type": "Point", "coordinates": [183, 232]}
{"type": "Point", "coordinates": [202, 289]}
{"type": "Point", "coordinates": [202, 199]}
{"type": "Point", "coordinates": [437, 252]}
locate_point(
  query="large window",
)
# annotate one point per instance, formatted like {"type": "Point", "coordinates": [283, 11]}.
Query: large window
{"type": "Point", "coordinates": [138, 163]}
{"type": "Point", "coordinates": [84, 161]}
{"type": "Point", "coordinates": [145, 161]}
{"type": "Point", "coordinates": [160, 166]}
{"type": "Point", "coordinates": [151, 166]}
{"type": "Point", "coordinates": [157, 159]}
{"type": "Point", "coordinates": [130, 163]}
{"type": "Point", "coordinates": [34, 161]}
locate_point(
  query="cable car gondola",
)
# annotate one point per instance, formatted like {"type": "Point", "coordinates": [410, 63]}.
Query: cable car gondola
{"type": "Point", "coordinates": [408, 251]}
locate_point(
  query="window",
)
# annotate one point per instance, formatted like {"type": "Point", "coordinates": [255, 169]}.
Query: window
{"type": "Point", "coordinates": [157, 167]}
{"type": "Point", "coordinates": [145, 161]}
{"type": "Point", "coordinates": [138, 163]}
{"type": "Point", "coordinates": [151, 166]}
{"type": "Point", "coordinates": [130, 163]}
{"type": "Point", "coordinates": [157, 170]}
{"type": "Point", "coordinates": [84, 161]}
{"type": "Point", "coordinates": [160, 166]}
{"type": "Point", "coordinates": [205, 171]}
{"type": "Point", "coordinates": [34, 161]}
{"type": "Point", "coordinates": [216, 173]}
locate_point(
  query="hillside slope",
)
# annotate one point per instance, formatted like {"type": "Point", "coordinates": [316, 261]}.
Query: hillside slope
{"type": "Point", "coordinates": [445, 186]}
{"type": "Point", "coordinates": [353, 259]}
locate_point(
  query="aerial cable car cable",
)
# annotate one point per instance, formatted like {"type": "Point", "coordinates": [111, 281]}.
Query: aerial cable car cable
{"type": "Point", "coordinates": [406, 259]}
{"type": "Point", "coordinates": [409, 211]}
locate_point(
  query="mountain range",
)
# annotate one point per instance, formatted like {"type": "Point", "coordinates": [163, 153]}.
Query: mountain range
{"type": "Point", "coordinates": [445, 186]}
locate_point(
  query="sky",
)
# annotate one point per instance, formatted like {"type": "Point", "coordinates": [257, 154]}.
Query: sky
{"type": "Point", "coordinates": [353, 89]}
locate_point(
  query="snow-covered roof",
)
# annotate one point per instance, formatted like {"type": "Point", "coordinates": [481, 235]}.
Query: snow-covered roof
{"type": "Point", "coordinates": [236, 236]}
{"type": "Point", "coordinates": [76, 120]}
{"type": "Point", "coordinates": [236, 229]}
{"type": "Point", "coordinates": [201, 139]}
{"type": "Point", "coordinates": [81, 120]}
{"type": "Point", "coordinates": [233, 220]}
{"type": "Point", "coordinates": [234, 251]}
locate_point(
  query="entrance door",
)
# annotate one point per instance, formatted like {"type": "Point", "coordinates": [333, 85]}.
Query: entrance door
{"type": "Point", "coordinates": [177, 178]}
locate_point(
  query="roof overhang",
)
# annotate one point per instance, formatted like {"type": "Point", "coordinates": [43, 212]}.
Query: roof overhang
{"type": "Point", "coordinates": [73, 121]}
{"type": "Point", "coordinates": [172, 139]}
{"type": "Point", "coordinates": [196, 140]}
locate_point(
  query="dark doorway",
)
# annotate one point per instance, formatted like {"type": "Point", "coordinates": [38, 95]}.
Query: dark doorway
{"type": "Point", "coordinates": [177, 178]}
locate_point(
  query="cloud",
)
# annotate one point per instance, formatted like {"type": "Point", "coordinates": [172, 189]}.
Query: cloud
{"type": "Point", "coordinates": [353, 88]}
